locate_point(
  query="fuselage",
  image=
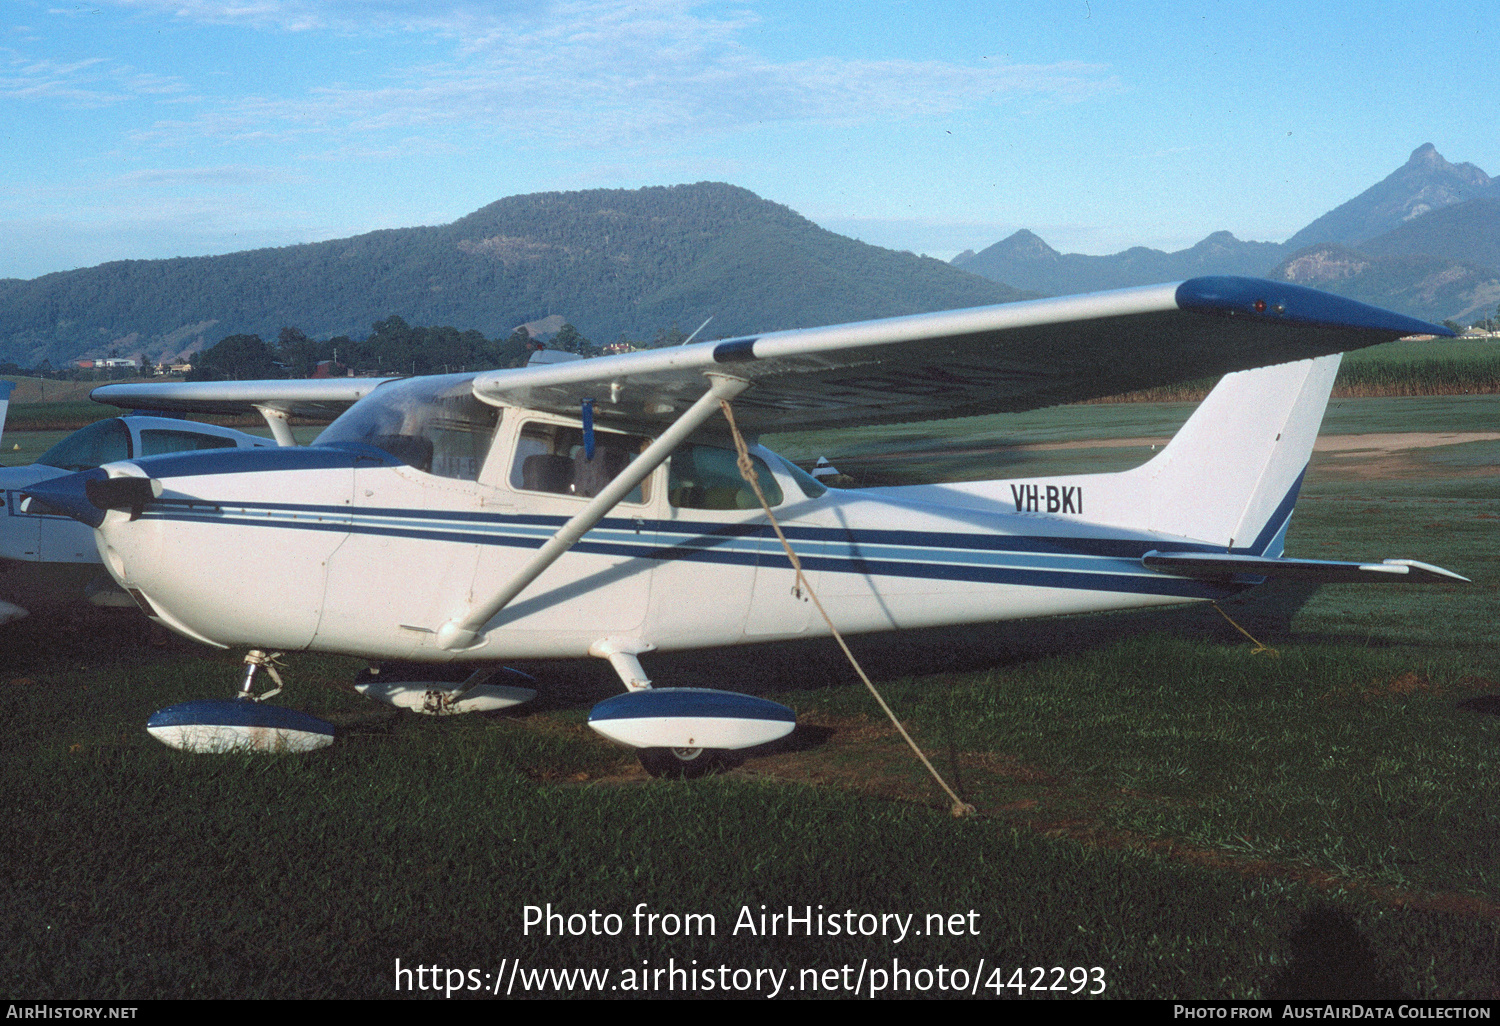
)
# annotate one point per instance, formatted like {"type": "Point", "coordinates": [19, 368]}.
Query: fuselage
{"type": "Point", "coordinates": [347, 547]}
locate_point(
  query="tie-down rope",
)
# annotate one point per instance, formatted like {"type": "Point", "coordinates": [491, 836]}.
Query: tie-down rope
{"type": "Point", "coordinates": [1260, 646]}
{"type": "Point", "coordinates": [747, 471]}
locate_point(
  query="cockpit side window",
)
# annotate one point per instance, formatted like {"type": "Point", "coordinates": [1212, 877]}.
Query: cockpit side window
{"type": "Point", "coordinates": [708, 477]}
{"type": "Point", "coordinates": [552, 458]}
{"type": "Point", "coordinates": [102, 442]}
{"type": "Point", "coordinates": [433, 424]}
{"type": "Point", "coordinates": [157, 441]}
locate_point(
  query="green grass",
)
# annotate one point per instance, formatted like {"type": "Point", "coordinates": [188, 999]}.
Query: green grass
{"type": "Point", "coordinates": [977, 447]}
{"type": "Point", "coordinates": [61, 416]}
{"type": "Point", "coordinates": [19, 448]}
{"type": "Point", "coordinates": [133, 871]}
{"type": "Point", "coordinates": [1355, 763]}
{"type": "Point", "coordinates": [1417, 367]}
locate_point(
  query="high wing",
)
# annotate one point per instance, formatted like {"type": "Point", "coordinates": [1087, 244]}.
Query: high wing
{"type": "Point", "coordinates": [992, 359]}
{"type": "Point", "coordinates": [317, 398]}
{"type": "Point", "coordinates": [1009, 357]}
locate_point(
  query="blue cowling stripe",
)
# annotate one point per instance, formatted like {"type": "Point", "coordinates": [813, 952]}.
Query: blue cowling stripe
{"type": "Point", "coordinates": [1050, 562]}
{"type": "Point", "coordinates": [254, 461]}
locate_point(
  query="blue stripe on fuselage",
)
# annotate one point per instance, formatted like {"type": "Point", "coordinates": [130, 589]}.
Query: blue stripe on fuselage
{"type": "Point", "coordinates": [1102, 564]}
{"type": "Point", "coordinates": [254, 461]}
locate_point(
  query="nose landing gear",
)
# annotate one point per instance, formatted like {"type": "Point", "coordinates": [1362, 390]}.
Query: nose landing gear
{"type": "Point", "coordinates": [241, 724]}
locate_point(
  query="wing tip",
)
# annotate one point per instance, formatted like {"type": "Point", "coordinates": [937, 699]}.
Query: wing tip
{"type": "Point", "coordinates": [1266, 300]}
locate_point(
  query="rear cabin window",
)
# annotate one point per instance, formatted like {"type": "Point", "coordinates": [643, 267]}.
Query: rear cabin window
{"type": "Point", "coordinates": [156, 441]}
{"type": "Point", "coordinates": [433, 424]}
{"type": "Point", "coordinates": [708, 477]}
{"type": "Point", "coordinates": [551, 458]}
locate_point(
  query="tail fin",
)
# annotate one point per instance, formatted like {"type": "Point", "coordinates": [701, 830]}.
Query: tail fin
{"type": "Point", "coordinates": [5, 390]}
{"type": "Point", "coordinates": [1229, 477]}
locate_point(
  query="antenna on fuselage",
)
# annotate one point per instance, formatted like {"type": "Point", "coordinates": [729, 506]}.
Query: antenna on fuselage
{"type": "Point", "coordinates": [698, 329]}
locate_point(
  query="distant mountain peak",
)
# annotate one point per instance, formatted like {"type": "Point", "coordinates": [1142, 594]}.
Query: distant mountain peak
{"type": "Point", "coordinates": [612, 261]}
{"type": "Point", "coordinates": [1426, 155]}
{"type": "Point", "coordinates": [1425, 182]}
{"type": "Point", "coordinates": [1217, 242]}
{"type": "Point", "coordinates": [1025, 245]}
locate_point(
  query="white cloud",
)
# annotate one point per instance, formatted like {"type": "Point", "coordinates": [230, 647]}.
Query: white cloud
{"type": "Point", "coordinates": [222, 176]}
{"type": "Point", "coordinates": [92, 82]}
{"type": "Point", "coordinates": [592, 73]}
{"type": "Point", "coordinates": [350, 16]}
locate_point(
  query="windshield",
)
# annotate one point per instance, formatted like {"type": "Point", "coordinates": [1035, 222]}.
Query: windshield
{"type": "Point", "coordinates": [433, 424]}
{"type": "Point", "coordinates": [102, 442]}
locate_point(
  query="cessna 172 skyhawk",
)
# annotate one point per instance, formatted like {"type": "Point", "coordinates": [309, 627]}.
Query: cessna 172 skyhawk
{"type": "Point", "coordinates": [594, 507]}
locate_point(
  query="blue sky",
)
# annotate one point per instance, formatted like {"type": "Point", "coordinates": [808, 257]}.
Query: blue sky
{"type": "Point", "coordinates": [159, 128]}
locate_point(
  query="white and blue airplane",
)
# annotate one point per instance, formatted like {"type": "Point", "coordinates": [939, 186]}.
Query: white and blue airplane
{"type": "Point", "coordinates": [594, 507]}
{"type": "Point", "coordinates": [48, 559]}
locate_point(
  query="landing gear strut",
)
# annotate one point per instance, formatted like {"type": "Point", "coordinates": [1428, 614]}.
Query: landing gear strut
{"type": "Point", "coordinates": [255, 659]}
{"type": "Point", "coordinates": [244, 723]}
{"type": "Point", "coordinates": [681, 763]}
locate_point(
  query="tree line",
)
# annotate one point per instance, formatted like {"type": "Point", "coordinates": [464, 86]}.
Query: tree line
{"type": "Point", "coordinates": [393, 347]}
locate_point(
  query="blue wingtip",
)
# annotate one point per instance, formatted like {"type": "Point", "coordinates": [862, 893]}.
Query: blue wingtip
{"type": "Point", "coordinates": [1268, 300]}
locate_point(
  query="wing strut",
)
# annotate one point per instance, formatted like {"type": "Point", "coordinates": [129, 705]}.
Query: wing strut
{"type": "Point", "coordinates": [279, 423]}
{"type": "Point", "coordinates": [464, 633]}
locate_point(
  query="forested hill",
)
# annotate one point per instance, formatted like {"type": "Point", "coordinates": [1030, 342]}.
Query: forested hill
{"type": "Point", "coordinates": [609, 261]}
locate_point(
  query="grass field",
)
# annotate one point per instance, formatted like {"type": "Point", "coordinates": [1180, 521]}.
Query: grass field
{"type": "Point", "coordinates": [1155, 800]}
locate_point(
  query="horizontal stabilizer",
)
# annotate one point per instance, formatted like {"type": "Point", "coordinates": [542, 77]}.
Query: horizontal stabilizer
{"type": "Point", "coordinates": [1223, 565]}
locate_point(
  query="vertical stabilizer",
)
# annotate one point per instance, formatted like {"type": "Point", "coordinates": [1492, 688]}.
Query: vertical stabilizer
{"type": "Point", "coordinates": [5, 390]}
{"type": "Point", "coordinates": [1230, 476]}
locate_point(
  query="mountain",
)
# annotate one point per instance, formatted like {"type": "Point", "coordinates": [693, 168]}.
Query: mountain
{"type": "Point", "coordinates": [1440, 265]}
{"type": "Point", "coordinates": [610, 261]}
{"type": "Point", "coordinates": [1025, 261]}
{"type": "Point", "coordinates": [1468, 231]}
{"type": "Point", "coordinates": [1432, 288]}
{"type": "Point", "coordinates": [1424, 241]}
{"type": "Point", "coordinates": [1426, 182]}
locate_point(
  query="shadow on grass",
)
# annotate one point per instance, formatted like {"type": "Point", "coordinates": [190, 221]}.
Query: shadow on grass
{"type": "Point", "coordinates": [817, 662]}
{"type": "Point", "coordinates": [1331, 960]}
{"type": "Point", "coordinates": [87, 638]}
{"type": "Point", "coordinates": [1488, 704]}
